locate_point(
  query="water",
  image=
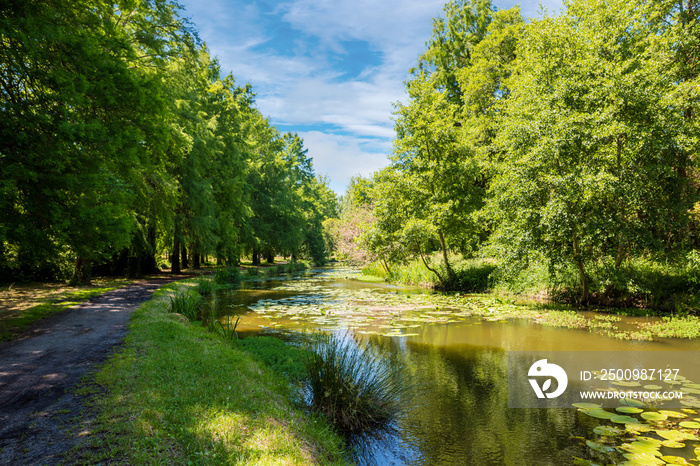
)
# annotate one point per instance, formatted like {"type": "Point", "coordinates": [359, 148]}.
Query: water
{"type": "Point", "coordinates": [455, 362]}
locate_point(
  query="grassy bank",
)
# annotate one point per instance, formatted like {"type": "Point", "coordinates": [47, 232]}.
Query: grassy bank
{"type": "Point", "coordinates": [671, 287]}
{"type": "Point", "coordinates": [179, 394]}
{"type": "Point", "coordinates": [23, 305]}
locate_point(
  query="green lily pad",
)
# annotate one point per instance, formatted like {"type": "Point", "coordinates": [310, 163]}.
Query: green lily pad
{"type": "Point", "coordinates": [690, 424]}
{"type": "Point", "coordinates": [628, 410]}
{"type": "Point", "coordinates": [631, 402]}
{"type": "Point", "coordinates": [586, 405]}
{"type": "Point", "coordinates": [621, 419]}
{"type": "Point", "coordinates": [689, 411]}
{"type": "Point", "coordinates": [671, 435]}
{"type": "Point", "coordinates": [653, 387]}
{"type": "Point", "coordinates": [599, 447]}
{"type": "Point", "coordinates": [607, 431]}
{"type": "Point", "coordinates": [598, 413]}
{"type": "Point", "coordinates": [626, 383]}
{"type": "Point", "coordinates": [675, 460]}
{"type": "Point", "coordinates": [692, 385]}
{"type": "Point", "coordinates": [675, 414]}
{"type": "Point", "coordinates": [672, 444]}
{"type": "Point", "coordinates": [636, 427]}
{"type": "Point", "coordinates": [651, 416]}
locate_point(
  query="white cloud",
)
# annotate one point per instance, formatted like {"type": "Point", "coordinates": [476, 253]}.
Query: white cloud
{"type": "Point", "coordinates": [341, 157]}
{"type": "Point", "coordinates": [303, 87]}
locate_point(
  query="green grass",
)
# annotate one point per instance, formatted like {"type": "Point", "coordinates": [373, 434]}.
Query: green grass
{"type": "Point", "coordinates": [178, 394]}
{"type": "Point", "coordinates": [470, 275]}
{"type": "Point", "coordinates": [15, 322]}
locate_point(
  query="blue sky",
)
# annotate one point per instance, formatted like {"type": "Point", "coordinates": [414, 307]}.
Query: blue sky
{"type": "Point", "coordinates": [327, 69]}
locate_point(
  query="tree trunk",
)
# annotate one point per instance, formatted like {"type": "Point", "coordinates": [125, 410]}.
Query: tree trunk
{"type": "Point", "coordinates": [175, 256]}
{"type": "Point", "coordinates": [81, 273]}
{"type": "Point", "coordinates": [183, 253]}
{"type": "Point", "coordinates": [195, 258]}
{"type": "Point", "coordinates": [448, 268]}
{"type": "Point", "coordinates": [581, 272]}
{"type": "Point", "coordinates": [270, 258]}
{"type": "Point", "coordinates": [420, 253]}
{"type": "Point", "coordinates": [256, 257]}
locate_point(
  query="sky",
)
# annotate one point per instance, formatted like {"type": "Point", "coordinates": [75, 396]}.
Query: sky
{"type": "Point", "coordinates": [329, 70]}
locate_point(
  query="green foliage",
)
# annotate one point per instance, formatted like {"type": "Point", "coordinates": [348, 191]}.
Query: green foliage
{"type": "Point", "coordinates": [228, 276]}
{"type": "Point", "coordinates": [205, 287]}
{"type": "Point", "coordinates": [228, 331]}
{"type": "Point", "coordinates": [351, 387]}
{"type": "Point", "coordinates": [187, 304]}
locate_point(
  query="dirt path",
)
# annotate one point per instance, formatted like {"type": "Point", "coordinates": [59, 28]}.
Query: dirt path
{"type": "Point", "coordinates": [39, 411]}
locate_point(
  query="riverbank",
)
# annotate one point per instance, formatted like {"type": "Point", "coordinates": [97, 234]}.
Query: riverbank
{"type": "Point", "coordinates": [180, 394]}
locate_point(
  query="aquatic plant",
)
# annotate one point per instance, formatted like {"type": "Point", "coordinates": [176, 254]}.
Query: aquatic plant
{"type": "Point", "coordinates": [228, 332]}
{"type": "Point", "coordinates": [186, 303]}
{"type": "Point", "coordinates": [352, 388]}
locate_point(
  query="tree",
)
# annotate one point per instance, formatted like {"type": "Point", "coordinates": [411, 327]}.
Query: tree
{"type": "Point", "coordinates": [592, 164]}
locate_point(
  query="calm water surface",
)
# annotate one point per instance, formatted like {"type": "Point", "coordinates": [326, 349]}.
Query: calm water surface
{"type": "Point", "coordinates": [457, 365]}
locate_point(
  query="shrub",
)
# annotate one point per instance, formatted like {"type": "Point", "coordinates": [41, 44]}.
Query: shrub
{"type": "Point", "coordinates": [228, 276]}
{"type": "Point", "coordinates": [354, 390]}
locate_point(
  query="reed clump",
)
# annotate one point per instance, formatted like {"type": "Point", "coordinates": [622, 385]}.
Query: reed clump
{"type": "Point", "coordinates": [351, 387]}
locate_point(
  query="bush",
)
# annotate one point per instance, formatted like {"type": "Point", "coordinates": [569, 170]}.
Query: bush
{"type": "Point", "coordinates": [354, 390]}
{"type": "Point", "coordinates": [228, 276]}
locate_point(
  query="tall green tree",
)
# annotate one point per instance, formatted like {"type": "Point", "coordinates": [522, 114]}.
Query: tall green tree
{"type": "Point", "coordinates": [593, 162]}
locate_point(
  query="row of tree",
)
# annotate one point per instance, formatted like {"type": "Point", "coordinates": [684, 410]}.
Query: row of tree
{"type": "Point", "coordinates": [573, 138]}
{"type": "Point", "coordinates": [121, 142]}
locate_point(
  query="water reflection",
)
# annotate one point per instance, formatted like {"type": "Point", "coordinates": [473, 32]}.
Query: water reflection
{"type": "Point", "coordinates": [457, 407]}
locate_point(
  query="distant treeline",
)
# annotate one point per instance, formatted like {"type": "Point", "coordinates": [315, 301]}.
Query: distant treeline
{"type": "Point", "coordinates": [571, 140]}
{"type": "Point", "coordinates": [122, 144]}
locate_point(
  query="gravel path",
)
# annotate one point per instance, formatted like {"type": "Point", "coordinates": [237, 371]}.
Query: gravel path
{"type": "Point", "coordinates": [40, 414]}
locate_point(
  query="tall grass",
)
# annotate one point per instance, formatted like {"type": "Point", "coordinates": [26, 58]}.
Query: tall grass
{"type": "Point", "coordinates": [205, 287]}
{"type": "Point", "coordinates": [187, 303]}
{"type": "Point", "coordinates": [470, 275]}
{"type": "Point", "coordinates": [352, 388]}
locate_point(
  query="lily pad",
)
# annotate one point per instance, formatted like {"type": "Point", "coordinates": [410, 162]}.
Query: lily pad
{"type": "Point", "coordinates": [690, 424]}
{"type": "Point", "coordinates": [607, 431]}
{"type": "Point", "coordinates": [599, 447]}
{"type": "Point", "coordinates": [598, 413]}
{"type": "Point", "coordinates": [631, 402]}
{"type": "Point", "coordinates": [652, 416]}
{"type": "Point", "coordinates": [653, 387]}
{"type": "Point", "coordinates": [626, 383]}
{"type": "Point", "coordinates": [628, 410]}
{"type": "Point", "coordinates": [675, 414]}
{"type": "Point", "coordinates": [672, 444]}
{"type": "Point", "coordinates": [675, 460]}
{"type": "Point", "coordinates": [636, 427]}
{"type": "Point", "coordinates": [671, 435]}
{"type": "Point", "coordinates": [622, 419]}
{"type": "Point", "coordinates": [586, 405]}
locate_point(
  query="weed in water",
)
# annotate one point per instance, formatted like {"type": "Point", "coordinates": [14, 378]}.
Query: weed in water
{"type": "Point", "coordinates": [352, 388]}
